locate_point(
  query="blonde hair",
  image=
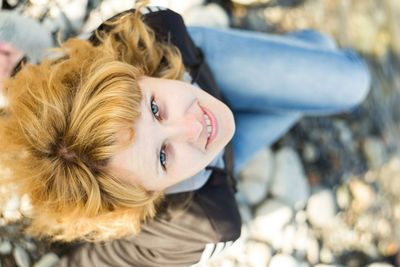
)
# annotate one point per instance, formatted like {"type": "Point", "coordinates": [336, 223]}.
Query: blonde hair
{"type": "Point", "coordinates": [59, 131]}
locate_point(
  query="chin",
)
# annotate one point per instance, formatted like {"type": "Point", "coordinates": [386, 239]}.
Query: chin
{"type": "Point", "coordinates": [229, 126]}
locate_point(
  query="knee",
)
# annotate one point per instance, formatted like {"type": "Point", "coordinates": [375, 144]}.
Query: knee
{"type": "Point", "coordinates": [360, 80]}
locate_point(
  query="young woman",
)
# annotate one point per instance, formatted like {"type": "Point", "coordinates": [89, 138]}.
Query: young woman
{"type": "Point", "coordinates": [129, 137]}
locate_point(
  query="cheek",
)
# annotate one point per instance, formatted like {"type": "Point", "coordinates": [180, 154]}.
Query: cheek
{"type": "Point", "coordinates": [188, 161]}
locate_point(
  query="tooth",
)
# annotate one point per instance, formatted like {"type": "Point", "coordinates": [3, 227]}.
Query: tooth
{"type": "Point", "coordinates": [209, 128]}
{"type": "Point", "coordinates": [208, 121]}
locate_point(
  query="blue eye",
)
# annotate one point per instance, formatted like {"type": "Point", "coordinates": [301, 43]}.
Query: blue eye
{"type": "Point", "coordinates": [154, 108]}
{"type": "Point", "coordinates": [163, 158]}
{"type": "Point", "coordinates": [156, 112]}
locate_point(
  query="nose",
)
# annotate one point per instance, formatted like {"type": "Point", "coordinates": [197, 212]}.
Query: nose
{"type": "Point", "coordinates": [187, 128]}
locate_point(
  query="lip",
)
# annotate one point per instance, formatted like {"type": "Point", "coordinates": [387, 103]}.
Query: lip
{"type": "Point", "coordinates": [214, 126]}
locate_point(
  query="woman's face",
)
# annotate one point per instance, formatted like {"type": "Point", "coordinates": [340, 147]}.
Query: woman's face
{"type": "Point", "coordinates": [174, 139]}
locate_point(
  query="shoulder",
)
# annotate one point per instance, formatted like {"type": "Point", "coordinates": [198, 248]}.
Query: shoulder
{"type": "Point", "coordinates": [202, 229]}
{"type": "Point", "coordinates": [160, 19]}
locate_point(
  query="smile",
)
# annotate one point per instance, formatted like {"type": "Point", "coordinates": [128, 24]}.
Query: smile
{"type": "Point", "coordinates": [211, 123]}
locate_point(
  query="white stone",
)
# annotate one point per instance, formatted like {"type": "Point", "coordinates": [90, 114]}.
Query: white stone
{"type": "Point", "coordinates": [48, 260]}
{"type": "Point", "coordinates": [226, 263]}
{"type": "Point", "coordinates": [12, 203]}
{"type": "Point", "coordinates": [326, 265]}
{"type": "Point", "coordinates": [211, 15]}
{"type": "Point", "coordinates": [3, 100]}
{"type": "Point", "coordinates": [301, 238]}
{"type": "Point", "coordinates": [21, 257]}
{"type": "Point", "coordinates": [288, 237]}
{"type": "Point", "coordinates": [251, 2]}
{"type": "Point", "coordinates": [257, 254]}
{"type": "Point", "coordinates": [178, 6]}
{"type": "Point", "coordinates": [326, 255]}
{"type": "Point", "coordinates": [104, 11]}
{"type": "Point", "coordinates": [312, 251]}
{"type": "Point", "coordinates": [380, 264]}
{"type": "Point", "coordinates": [270, 218]}
{"type": "Point", "coordinates": [282, 260]}
{"type": "Point", "coordinates": [321, 208]}
{"type": "Point", "coordinates": [25, 206]}
{"type": "Point", "coordinates": [5, 247]}
{"type": "Point", "coordinates": [289, 182]}
{"type": "Point", "coordinates": [301, 217]}
{"type": "Point", "coordinates": [363, 194]}
{"type": "Point", "coordinates": [74, 10]}
{"type": "Point", "coordinates": [12, 215]}
{"type": "Point", "coordinates": [343, 196]}
{"type": "Point", "coordinates": [237, 249]}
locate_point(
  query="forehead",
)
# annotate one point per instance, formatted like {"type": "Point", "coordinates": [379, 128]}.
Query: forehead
{"type": "Point", "coordinates": [135, 163]}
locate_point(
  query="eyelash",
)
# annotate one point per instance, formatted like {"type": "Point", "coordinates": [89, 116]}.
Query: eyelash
{"type": "Point", "coordinates": [159, 117]}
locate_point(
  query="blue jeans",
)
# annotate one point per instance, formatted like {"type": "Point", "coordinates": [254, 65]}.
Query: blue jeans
{"type": "Point", "coordinates": [271, 81]}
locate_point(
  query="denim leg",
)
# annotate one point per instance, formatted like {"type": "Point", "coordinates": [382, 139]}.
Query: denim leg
{"type": "Point", "coordinates": [270, 81]}
{"type": "Point", "coordinates": [260, 72]}
{"type": "Point", "coordinates": [313, 38]}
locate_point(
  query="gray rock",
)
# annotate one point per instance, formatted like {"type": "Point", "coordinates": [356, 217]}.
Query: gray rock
{"type": "Point", "coordinates": [5, 247]}
{"type": "Point", "coordinates": [48, 260]}
{"type": "Point", "coordinates": [28, 245]}
{"type": "Point", "coordinates": [321, 208]}
{"type": "Point", "coordinates": [260, 167]}
{"type": "Point", "coordinates": [290, 183]}
{"type": "Point", "coordinates": [253, 191]}
{"type": "Point", "coordinates": [345, 134]}
{"type": "Point", "coordinates": [280, 260]}
{"type": "Point", "coordinates": [26, 34]}
{"type": "Point", "coordinates": [310, 153]}
{"type": "Point", "coordinates": [256, 175]}
{"type": "Point", "coordinates": [375, 152]}
{"type": "Point", "coordinates": [245, 213]}
{"type": "Point", "coordinates": [270, 218]}
{"type": "Point", "coordinates": [21, 257]}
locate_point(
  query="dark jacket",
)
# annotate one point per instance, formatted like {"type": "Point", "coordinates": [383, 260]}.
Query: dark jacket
{"type": "Point", "coordinates": [178, 235]}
